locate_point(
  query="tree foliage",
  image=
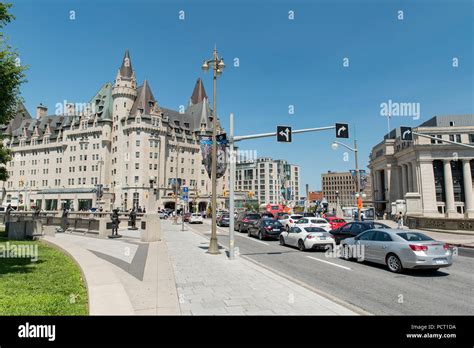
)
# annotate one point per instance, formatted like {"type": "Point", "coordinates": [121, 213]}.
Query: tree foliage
{"type": "Point", "coordinates": [11, 77]}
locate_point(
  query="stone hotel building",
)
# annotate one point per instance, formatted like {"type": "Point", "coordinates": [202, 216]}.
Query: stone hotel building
{"type": "Point", "coordinates": [123, 139]}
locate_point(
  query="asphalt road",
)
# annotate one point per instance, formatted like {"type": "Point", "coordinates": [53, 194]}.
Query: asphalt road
{"type": "Point", "coordinates": [370, 287]}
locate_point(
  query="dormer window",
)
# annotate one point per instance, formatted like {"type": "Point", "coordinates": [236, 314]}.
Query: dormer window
{"type": "Point", "coordinates": [138, 119]}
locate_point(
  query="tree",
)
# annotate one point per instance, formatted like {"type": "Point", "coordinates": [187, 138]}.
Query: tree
{"type": "Point", "coordinates": [11, 77]}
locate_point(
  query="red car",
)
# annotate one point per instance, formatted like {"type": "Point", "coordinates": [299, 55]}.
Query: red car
{"type": "Point", "coordinates": [335, 222]}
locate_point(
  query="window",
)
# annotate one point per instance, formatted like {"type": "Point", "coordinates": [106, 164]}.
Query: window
{"type": "Point", "coordinates": [136, 179]}
{"type": "Point", "coordinates": [137, 154]}
{"type": "Point", "coordinates": [369, 235]}
{"type": "Point", "coordinates": [138, 143]}
{"type": "Point", "coordinates": [458, 138]}
{"type": "Point", "coordinates": [382, 237]}
{"type": "Point", "coordinates": [137, 166]}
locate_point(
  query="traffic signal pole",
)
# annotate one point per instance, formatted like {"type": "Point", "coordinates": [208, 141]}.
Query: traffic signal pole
{"type": "Point", "coordinates": [232, 140]}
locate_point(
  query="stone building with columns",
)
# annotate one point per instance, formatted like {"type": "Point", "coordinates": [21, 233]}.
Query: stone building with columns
{"type": "Point", "coordinates": [122, 140]}
{"type": "Point", "coordinates": [435, 178]}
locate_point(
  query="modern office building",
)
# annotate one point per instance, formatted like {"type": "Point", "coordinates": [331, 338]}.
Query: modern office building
{"type": "Point", "coordinates": [270, 181]}
{"type": "Point", "coordinates": [123, 140]}
{"type": "Point", "coordinates": [344, 186]}
{"type": "Point", "coordinates": [435, 178]}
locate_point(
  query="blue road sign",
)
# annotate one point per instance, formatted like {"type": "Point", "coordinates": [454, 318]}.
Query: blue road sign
{"type": "Point", "coordinates": [185, 189]}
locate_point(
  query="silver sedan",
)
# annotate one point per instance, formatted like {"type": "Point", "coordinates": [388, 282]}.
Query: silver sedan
{"type": "Point", "coordinates": [398, 249]}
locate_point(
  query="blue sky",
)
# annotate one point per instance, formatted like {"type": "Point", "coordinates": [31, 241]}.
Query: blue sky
{"type": "Point", "coordinates": [283, 62]}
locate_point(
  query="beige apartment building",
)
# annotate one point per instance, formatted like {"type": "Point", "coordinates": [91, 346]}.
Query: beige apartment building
{"type": "Point", "coordinates": [123, 140]}
{"type": "Point", "coordinates": [343, 184]}
{"type": "Point", "coordinates": [269, 181]}
{"type": "Point", "coordinates": [435, 178]}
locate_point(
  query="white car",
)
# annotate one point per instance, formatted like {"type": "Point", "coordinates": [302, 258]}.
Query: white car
{"type": "Point", "coordinates": [288, 221]}
{"type": "Point", "coordinates": [308, 238]}
{"type": "Point", "coordinates": [195, 218]}
{"type": "Point", "coordinates": [314, 222]}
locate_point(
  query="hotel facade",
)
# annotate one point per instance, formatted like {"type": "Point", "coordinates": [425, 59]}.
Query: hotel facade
{"type": "Point", "coordinates": [120, 150]}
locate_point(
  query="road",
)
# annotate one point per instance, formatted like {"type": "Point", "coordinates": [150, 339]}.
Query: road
{"type": "Point", "coordinates": [370, 287]}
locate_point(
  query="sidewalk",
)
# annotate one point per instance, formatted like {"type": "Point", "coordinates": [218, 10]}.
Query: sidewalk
{"type": "Point", "coordinates": [212, 284]}
{"type": "Point", "coordinates": [456, 238]}
{"type": "Point", "coordinates": [123, 276]}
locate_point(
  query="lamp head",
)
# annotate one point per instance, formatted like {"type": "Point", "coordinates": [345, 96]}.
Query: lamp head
{"type": "Point", "coordinates": [221, 64]}
{"type": "Point", "coordinates": [205, 66]}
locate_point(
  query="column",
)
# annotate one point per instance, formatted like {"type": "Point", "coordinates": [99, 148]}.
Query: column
{"type": "Point", "coordinates": [427, 188]}
{"type": "Point", "coordinates": [409, 177]}
{"type": "Point", "coordinates": [469, 198]}
{"type": "Point", "coordinates": [448, 189]}
{"type": "Point", "coordinates": [404, 180]}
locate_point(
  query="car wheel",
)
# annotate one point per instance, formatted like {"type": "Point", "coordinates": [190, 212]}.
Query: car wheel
{"type": "Point", "coordinates": [287, 228]}
{"type": "Point", "coordinates": [248, 233]}
{"type": "Point", "coordinates": [345, 253]}
{"type": "Point", "coordinates": [394, 264]}
{"type": "Point", "coordinates": [260, 235]}
{"type": "Point", "coordinates": [301, 245]}
{"type": "Point", "coordinates": [282, 241]}
{"type": "Point", "coordinates": [240, 228]}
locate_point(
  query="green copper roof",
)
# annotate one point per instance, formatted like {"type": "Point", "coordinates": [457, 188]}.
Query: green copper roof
{"type": "Point", "coordinates": [103, 102]}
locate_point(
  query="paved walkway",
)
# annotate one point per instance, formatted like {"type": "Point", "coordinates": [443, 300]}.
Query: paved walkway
{"type": "Point", "coordinates": [124, 276]}
{"type": "Point", "coordinates": [457, 238]}
{"type": "Point", "coordinates": [176, 276]}
{"type": "Point", "coordinates": [212, 284]}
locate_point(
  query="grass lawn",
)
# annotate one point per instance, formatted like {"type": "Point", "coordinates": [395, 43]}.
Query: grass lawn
{"type": "Point", "coordinates": [52, 285]}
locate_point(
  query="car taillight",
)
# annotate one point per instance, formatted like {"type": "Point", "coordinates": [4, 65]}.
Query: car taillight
{"type": "Point", "coordinates": [291, 221]}
{"type": "Point", "coordinates": [415, 247]}
{"type": "Point", "coordinates": [245, 220]}
{"type": "Point", "coordinates": [446, 246]}
{"type": "Point", "coordinates": [268, 228]}
{"type": "Point", "coordinates": [309, 236]}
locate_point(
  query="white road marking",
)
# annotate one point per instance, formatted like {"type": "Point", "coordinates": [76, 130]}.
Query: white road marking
{"type": "Point", "coordinates": [255, 240]}
{"type": "Point", "coordinates": [334, 264]}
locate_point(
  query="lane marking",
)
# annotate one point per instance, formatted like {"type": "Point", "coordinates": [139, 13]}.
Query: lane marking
{"type": "Point", "coordinates": [330, 263]}
{"type": "Point", "coordinates": [255, 240]}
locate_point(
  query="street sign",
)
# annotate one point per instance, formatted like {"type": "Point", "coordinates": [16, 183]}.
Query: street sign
{"type": "Point", "coordinates": [185, 197]}
{"type": "Point", "coordinates": [284, 134]}
{"type": "Point", "coordinates": [406, 133]}
{"type": "Point", "coordinates": [342, 130]}
{"type": "Point", "coordinates": [185, 189]}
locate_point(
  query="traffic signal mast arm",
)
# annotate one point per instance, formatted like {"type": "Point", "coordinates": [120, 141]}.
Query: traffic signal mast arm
{"type": "Point", "coordinates": [265, 135]}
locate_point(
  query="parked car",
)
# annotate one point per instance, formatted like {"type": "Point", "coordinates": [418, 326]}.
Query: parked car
{"type": "Point", "coordinates": [335, 222]}
{"type": "Point", "coordinates": [352, 229]}
{"type": "Point", "coordinates": [223, 220]}
{"type": "Point", "coordinates": [289, 220]}
{"type": "Point", "coordinates": [398, 249]}
{"type": "Point", "coordinates": [163, 215]}
{"type": "Point", "coordinates": [244, 219]}
{"type": "Point", "coordinates": [196, 218]}
{"type": "Point", "coordinates": [186, 217]}
{"type": "Point", "coordinates": [265, 228]}
{"type": "Point", "coordinates": [307, 238]}
{"type": "Point", "coordinates": [314, 222]}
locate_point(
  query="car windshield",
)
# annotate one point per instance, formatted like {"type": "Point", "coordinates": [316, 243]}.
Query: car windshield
{"type": "Point", "coordinates": [414, 236]}
{"type": "Point", "coordinates": [338, 220]}
{"type": "Point", "coordinates": [296, 216]}
{"type": "Point", "coordinates": [273, 223]}
{"type": "Point", "coordinates": [314, 229]}
{"type": "Point", "coordinates": [318, 221]}
{"type": "Point", "coordinates": [225, 216]}
{"type": "Point", "coordinates": [195, 214]}
{"type": "Point", "coordinates": [253, 216]}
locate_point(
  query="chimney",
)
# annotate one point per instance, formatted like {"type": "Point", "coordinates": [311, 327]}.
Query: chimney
{"type": "Point", "coordinates": [41, 111]}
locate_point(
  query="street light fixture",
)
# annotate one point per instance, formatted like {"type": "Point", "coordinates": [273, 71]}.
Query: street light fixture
{"type": "Point", "coordinates": [355, 149]}
{"type": "Point", "coordinates": [218, 66]}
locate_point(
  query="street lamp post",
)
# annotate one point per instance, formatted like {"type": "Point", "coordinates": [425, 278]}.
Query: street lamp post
{"type": "Point", "coordinates": [218, 65]}
{"type": "Point", "coordinates": [355, 149]}
{"type": "Point", "coordinates": [176, 187]}
{"type": "Point", "coordinates": [101, 162]}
